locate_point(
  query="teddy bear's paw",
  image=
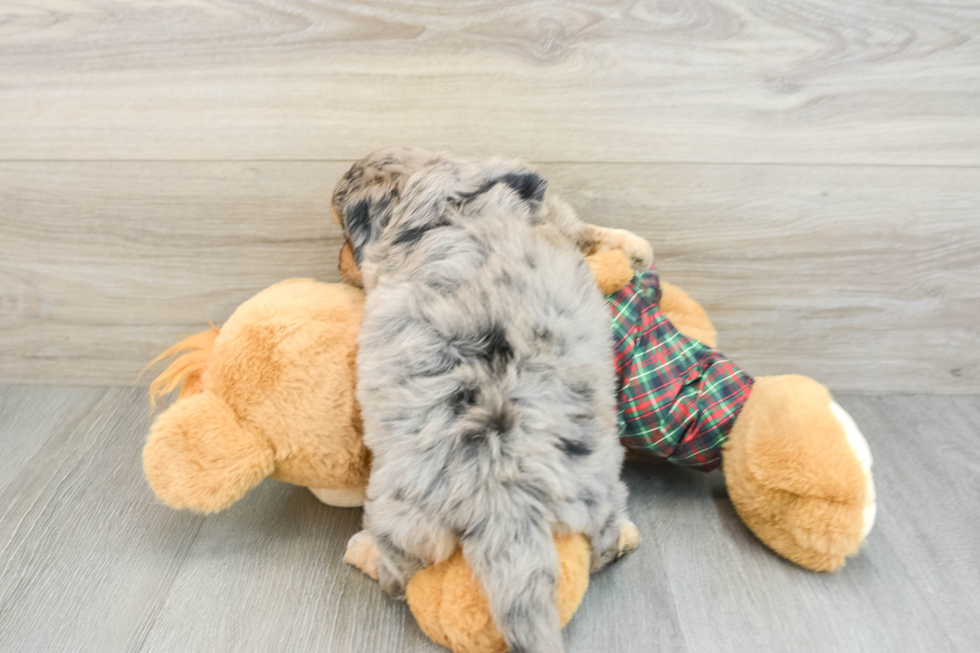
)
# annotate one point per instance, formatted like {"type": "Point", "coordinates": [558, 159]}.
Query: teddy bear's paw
{"type": "Point", "coordinates": [362, 553]}
{"type": "Point", "coordinates": [863, 453]}
{"type": "Point", "coordinates": [352, 497]}
{"type": "Point", "coordinates": [825, 533]}
{"type": "Point", "coordinates": [637, 249]}
{"type": "Point", "coordinates": [629, 538]}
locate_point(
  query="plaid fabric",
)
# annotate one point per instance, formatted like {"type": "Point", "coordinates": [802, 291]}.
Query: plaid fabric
{"type": "Point", "coordinates": [678, 397]}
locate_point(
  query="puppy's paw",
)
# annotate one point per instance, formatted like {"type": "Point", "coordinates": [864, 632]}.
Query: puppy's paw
{"type": "Point", "coordinates": [629, 538]}
{"type": "Point", "coordinates": [637, 249]}
{"type": "Point", "coordinates": [391, 582]}
{"type": "Point", "coordinates": [363, 554]}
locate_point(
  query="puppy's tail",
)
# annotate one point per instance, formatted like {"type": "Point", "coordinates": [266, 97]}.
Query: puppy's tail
{"type": "Point", "coordinates": [517, 564]}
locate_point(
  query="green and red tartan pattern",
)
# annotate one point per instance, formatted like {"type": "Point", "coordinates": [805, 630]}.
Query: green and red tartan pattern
{"type": "Point", "coordinates": [678, 397]}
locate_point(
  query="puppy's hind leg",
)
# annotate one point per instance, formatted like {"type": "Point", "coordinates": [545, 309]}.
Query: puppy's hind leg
{"type": "Point", "coordinates": [386, 563]}
{"type": "Point", "coordinates": [616, 537]}
{"type": "Point", "coordinates": [392, 569]}
{"type": "Point", "coordinates": [395, 566]}
{"type": "Point", "coordinates": [406, 540]}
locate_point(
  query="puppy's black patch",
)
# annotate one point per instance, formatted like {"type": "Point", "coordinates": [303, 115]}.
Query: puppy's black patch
{"type": "Point", "coordinates": [582, 390]}
{"type": "Point", "coordinates": [473, 530]}
{"type": "Point", "coordinates": [365, 219]}
{"type": "Point", "coordinates": [490, 347]}
{"type": "Point", "coordinates": [357, 221]}
{"type": "Point", "coordinates": [501, 419]}
{"type": "Point", "coordinates": [582, 418]}
{"type": "Point", "coordinates": [411, 235]}
{"type": "Point", "coordinates": [462, 399]}
{"type": "Point", "coordinates": [573, 448]}
{"type": "Point", "coordinates": [528, 185]}
{"type": "Point", "coordinates": [473, 440]}
{"type": "Point", "coordinates": [496, 349]}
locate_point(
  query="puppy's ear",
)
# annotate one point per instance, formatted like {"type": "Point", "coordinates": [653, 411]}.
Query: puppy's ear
{"type": "Point", "coordinates": [357, 224]}
{"type": "Point", "coordinates": [528, 185]}
{"type": "Point", "coordinates": [364, 214]}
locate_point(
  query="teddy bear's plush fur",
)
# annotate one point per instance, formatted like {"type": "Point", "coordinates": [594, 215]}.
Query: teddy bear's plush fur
{"type": "Point", "coordinates": [272, 394]}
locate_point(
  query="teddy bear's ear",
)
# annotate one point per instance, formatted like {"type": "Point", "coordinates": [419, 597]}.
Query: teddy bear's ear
{"type": "Point", "coordinates": [198, 456]}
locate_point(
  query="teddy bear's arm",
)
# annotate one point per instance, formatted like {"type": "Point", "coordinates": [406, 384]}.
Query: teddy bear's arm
{"type": "Point", "coordinates": [612, 271]}
{"type": "Point", "coordinates": [687, 315]}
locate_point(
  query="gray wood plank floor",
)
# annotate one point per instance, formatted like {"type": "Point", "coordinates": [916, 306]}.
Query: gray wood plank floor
{"type": "Point", "coordinates": [90, 561]}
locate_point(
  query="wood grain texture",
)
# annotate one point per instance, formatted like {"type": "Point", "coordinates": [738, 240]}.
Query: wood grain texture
{"type": "Point", "coordinates": [86, 553]}
{"type": "Point", "coordinates": [89, 562]}
{"type": "Point", "coordinates": [28, 418]}
{"type": "Point", "coordinates": [866, 278]}
{"type": "Point", "coordinates": [815, 81]}
{"type": "Point", "coordinates": [281, 584]}
{"type": "Point", "coordinates": [737, 596]}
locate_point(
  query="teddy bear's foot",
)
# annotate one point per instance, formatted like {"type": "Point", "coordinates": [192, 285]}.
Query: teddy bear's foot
{"type": "Point", "coordinates": [817, 525]}
{"type": "Point", "coordinates": [362, 553]}
{"type": "Point", "coordinates": [351, 497]}
{"type": "Point", "coordinates": [799, 473]}
{"type": "Point", "coordinates": [863, 453]}
{"type": "Point", "coordinates": [451, 607]}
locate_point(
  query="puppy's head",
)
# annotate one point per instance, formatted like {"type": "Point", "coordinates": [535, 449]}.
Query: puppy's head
{"type": "Point", "coordinates": [365, 197]}
{"type": "Point", "coordinates": [429, 184]}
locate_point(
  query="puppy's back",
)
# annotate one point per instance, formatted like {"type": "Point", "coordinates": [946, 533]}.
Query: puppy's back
{"type": "Point", "coordinates": [487, 391]}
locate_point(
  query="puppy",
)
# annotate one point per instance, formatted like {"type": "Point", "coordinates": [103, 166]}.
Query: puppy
{"type": "Point", "coordinates": [485, 379]}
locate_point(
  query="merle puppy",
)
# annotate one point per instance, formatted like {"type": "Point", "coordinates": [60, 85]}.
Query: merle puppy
{"type": "Point", "coordinates": [485, 379]}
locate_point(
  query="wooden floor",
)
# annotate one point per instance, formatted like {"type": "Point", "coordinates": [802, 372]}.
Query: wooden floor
{"type": "Point", "coordinates": [89, 561]}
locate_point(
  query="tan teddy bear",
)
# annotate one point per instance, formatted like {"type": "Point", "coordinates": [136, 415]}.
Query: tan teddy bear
{"type": "Point", "coordinates": [272, 394]}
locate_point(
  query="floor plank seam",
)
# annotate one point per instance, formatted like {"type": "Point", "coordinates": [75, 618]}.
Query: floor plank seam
{"type": "Point", "coordinates": [143, 634]}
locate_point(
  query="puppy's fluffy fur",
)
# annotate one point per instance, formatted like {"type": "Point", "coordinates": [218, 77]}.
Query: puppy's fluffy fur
{"type": "Point", "coordinates": [485, 380]}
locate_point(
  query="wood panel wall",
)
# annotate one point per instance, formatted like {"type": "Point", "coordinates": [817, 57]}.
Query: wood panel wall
{"type": "Point", "coordinates": [809, 170]}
